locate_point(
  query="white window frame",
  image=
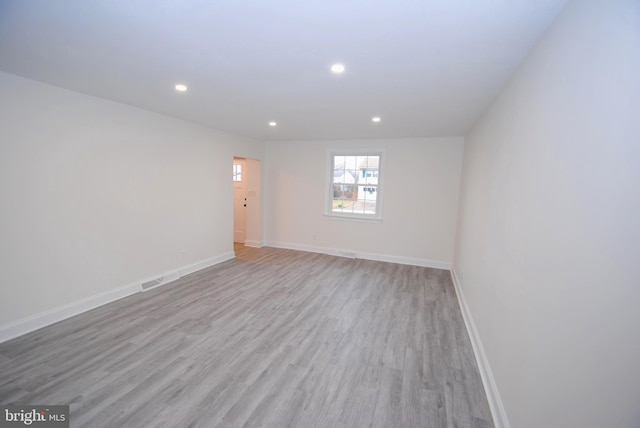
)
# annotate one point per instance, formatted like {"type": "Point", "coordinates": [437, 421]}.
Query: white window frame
{"type": "Point", "coordinates": [328, 205]}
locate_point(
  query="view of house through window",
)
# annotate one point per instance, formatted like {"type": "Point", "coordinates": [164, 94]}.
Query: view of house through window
{"type": "Point", "coordinates": [354, 186]}
{"type": "Point", "coordinates": [237, 172]}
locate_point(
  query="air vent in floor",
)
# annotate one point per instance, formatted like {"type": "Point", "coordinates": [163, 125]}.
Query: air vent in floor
{"type": "Point", "coordinates": [166, 278]}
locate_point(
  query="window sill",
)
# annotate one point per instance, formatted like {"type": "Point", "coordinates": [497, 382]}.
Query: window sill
{"type": "Point", "coordinates": [357, 218]}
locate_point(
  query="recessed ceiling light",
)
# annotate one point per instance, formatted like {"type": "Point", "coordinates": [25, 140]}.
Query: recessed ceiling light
{"type": "Point", "coordinates": [181, 88]}
{"type": "Point", "coordinates": [337, 68]}
{"type": "Point", "coordinates": [272, 124]}
{"type": "Point", "coordinates": [376, 119]}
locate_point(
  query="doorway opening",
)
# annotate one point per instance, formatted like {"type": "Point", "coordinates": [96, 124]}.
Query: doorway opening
{"type": "Point", "coordinates": [247, 212]}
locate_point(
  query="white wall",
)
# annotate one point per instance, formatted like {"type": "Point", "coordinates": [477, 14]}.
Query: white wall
{"type": "Point", "coordinates": [421, 183]}
{"type": "Point", "coordinates": [548, 241]}
{"type": "Point", "coordinates": [97, 195]}
{"type": "Point", "coordinates": [254, 219]}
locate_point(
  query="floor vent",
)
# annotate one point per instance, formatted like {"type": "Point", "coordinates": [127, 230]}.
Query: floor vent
{"type": "Point", "coordinates": [347, 254]}
{"type": "Point", "coordinates": [166, 278]}
{"type": "Point", "coordinates": [151, 284]}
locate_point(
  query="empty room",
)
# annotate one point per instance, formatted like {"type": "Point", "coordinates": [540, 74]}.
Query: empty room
{"type": "Point", "coordinates": [320, 213]}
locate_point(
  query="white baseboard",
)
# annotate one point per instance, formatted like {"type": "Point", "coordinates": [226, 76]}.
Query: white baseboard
{"type": "Point", "coordinates": [498, 412]}
{"type": "Point", "coordinates": [405, 260]}
{"type": "Point", "coordinates": [361, 255]}
{"type": "Point", "coordinates": [203, 264]}
{"type": "Point", "coordinates": [253, 244]}
{"type": "Point", "coordinates": [43, 319]}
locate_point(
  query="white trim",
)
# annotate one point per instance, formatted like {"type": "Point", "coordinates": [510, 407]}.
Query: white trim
{"type": "Point", "coordinates": [498, 412]}
{"type": "Point", "coordinates": [436, 264]}
{"type": "Point", "coordinates": [328, 212]}
{"type": "Point", "coordinates": [350, 217]}
{"type": "Point", "coordinates": [43, 319]}
{"type": "Point", "coordinates": [203, 264]}
{"type": "Point", "coordinates": [253, 244]}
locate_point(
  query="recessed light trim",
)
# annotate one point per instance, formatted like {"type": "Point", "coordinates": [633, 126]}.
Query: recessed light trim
{"type": "Point", "coordinates": [180, 87]}
{"type": "Point", "coordinates": [272, 123]}
{"type": "Point", "coordinates": [337, 68]}
{"type": "Point", "coordinates": [376, 119]}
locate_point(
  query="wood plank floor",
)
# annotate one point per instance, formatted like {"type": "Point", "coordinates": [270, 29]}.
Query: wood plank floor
{"type": "Point", "coordinates": [273, 338]}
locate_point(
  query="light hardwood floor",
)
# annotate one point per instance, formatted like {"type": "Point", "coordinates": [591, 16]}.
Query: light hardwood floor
{"type": "Point", "coordinates": [273, 338]}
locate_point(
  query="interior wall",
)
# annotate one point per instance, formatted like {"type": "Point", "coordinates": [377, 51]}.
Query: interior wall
{"type": "Point", "coordinates": [421, 184]}
{"type": "Point", "coordinates": [97, 195]}
{"type": "Point", "coordinates": [548, 240]}
{"type": "Point", "coordinates": [254, 203]}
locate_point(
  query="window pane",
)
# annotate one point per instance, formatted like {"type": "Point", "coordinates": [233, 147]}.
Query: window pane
{"type": "Point", "coordinates": [344, 197]}
{"type": "Point", "coordinates": [343, 176]}
{"type": "Point", "coordinates": [370, 207]}
{"type": "Point", "coordinates": [343, 205]}
{"type": "Point", "coordinates": [338, 167]}
{"type": "Point", "coordinates": [350, 162]}
{"type": "Point", "coordinates": [369, 169]}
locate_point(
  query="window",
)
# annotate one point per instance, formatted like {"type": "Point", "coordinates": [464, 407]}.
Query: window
{"type": "Point", "coordinates": [354, 185]}
{"type": "Point", "coordinates": [237, 172]}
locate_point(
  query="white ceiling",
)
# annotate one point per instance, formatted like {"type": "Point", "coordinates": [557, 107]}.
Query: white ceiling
{"type": "Point", "coordinates": [428, 68]}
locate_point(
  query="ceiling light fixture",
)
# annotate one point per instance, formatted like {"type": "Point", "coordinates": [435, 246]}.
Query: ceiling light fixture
{"type": "Point", "coordinates": [376, 119]}
{"type": "Point", "coordinates": [181, 88]}
{"type": "Point", "coordinates": [272, 124]}
{"type": "Point", "coordinates": [337, 68]}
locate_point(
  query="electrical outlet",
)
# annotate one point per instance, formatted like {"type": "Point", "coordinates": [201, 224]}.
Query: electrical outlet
{"type": "Point", "coordinates": [183, 253]}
